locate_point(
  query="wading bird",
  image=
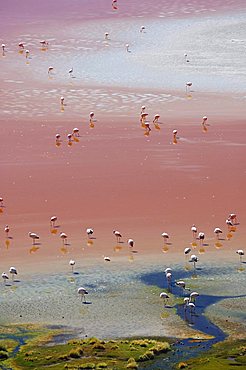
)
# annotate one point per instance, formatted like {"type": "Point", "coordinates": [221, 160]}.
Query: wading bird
{"type": "Point", "coordinates": [165, 297]}
{"type": "Point", "coordinates": [53, 220]}
{"type": "Point", "coordinates": [201, 237]}
{"type": "Point", "coordinates": [193, 296]}
{"type": "Point", "coordinates": [194, 259]}
{"type": "Point", "coordinates": [89, 232]}
{"type": "Point", "coordinates": [165, 237]}
{"type": "Point", "coordinates": [82, 292]}
{"type": "Point", "coordinates": [117, 235]}
{"type": "Point", "coordinates": [6, 229]}
{"type": "Point", "coordinates": [44, 43]}
{"type": "Point", "coordinates": [240, 252]}
{"type": "Point", "coordinates": [63, 237]}
{"type": "Point", "coordinates": [4, 277]}
{"type": "Point", "coordinates": [188, 86]}
{"type": "Point", "coordinates": [217, 232]}
{"type": "Point", "coordinates": [130, 242]}
{"type": "Point", "coordinates": [34, 237]}
{"type": "Point", "coordinates": [13, 272]}
{"type": "Point", "coordinates": [50, 69]}
{"type": "Point", "coordinates": [194, 231]}
{"type": "Point", "coordinates": [72, 264]}
{"type": "Point", "coordinates": [107, 259]}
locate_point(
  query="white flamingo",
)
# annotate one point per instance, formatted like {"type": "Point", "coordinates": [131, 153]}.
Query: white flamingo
{"type": "Point", "coordinates": [165, 237]}
{"type": "Point", "coordinates": [194, 259]}
{"type": "Point", "coordinates": [72, 264]}
{"type": "Point", "coordinates": [6, 229]}
{"type": "Point", "coordinates": [194, 231]}
{"type": "Point", "coordinates": [50, 69]}
{"type": "Point", "coordinates": [13, 272]}
{"type": "Point", "coordinates": [130, 242]}
{"type": "Point", "coordinates": [4, 277]}
{"type": "Point", "coordinates": [165, 297]}
{"type": "Point", "coordinates": [118, 235]}
{"type": "Point", "coordinates": [34, 237]}
{"type": "Point", "coordinates": [188, 86]}
{"type": "Point", "coordinates": [53, 219]}
{"type": "Point", "coordinates": [63, 237]}
{"type": "Point", "coordinates": [82, 292]}
{"type": "Point", "coordinates": [217, 232]}
{"type": "Point", "coordinates": [89, 232]}
{"type": "Point", "coordinates": [240, 252]}
{"type": "Point", "coordinates": [193, 296]}
{"type": "Point", "coordinates": [201, 237]}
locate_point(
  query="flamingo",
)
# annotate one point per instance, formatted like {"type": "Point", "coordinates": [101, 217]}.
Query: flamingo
{"type": "Point", "coordinates": [70, 72]}
{"type": "Point", "coordinates": [217, 232]}
{"type": "Point", "coordinates": [187, 251]}
{"type": "Point", "coordinates": [118, 235]}
{"type": "Point", "coordinates": [233, 218]}
{"type": "Point", "coordinates": [130, 242]}
{"type": "Point", "coordinates": [165, 297]}
{"type": "Point", "coordinates": [44, 43]}
{"type": "Point", "coordinates": [76, 132]}
{"type": "Point", "coordinates": [5, 277]}
{"type": "Point", "coordinates": [175, 136]}
{"type": "Point", "coordinates": [165, 237]}
{"type": "Point", "coordinates": [192, 307]}
{"type": "Point", "coordinates": [58, 141]}
{"type": "Point", "coordinates": [13, 272]}
{"type": "Point", "coordinates": [21, 45]}
{"type": "Point", "coordinates": [106, 36]}
{"type": "Point", "coordinates": [53, 220]}
{"type": "Point", "coordinates": [34, 237]}
{"type": "Point", "coordinates": [201, 237]}
{"type": "Point", "coordinates": [89, 232]}
{"type": "Point", "coordinates": [204, 120]}
{"type": "Point", "coordinates": [188, 85]}
{"type": "Point", "coordinates": [168, 270]}
{"type": "Point", "coordinates": [156, 118]}
{"type": "Point", "coordinates": [181, 284]}
{"type": "Point", "coordinates": [1, 202]}
{"type": "Point", "coordinates": [127, 48]}
{"type": "Point", "coordinates": [70, 138]}
{"type": "Point", "coordinates": [193, 296]}
{"type": "Point", "coordinates": [50, 69]}
{"type": "Point", "coordinates": [92, 120]}
{"type": "Point", "coordinates": [194, 231]}
{"type": "Point", "coordinates": [186, 302]}
{"type": "Point", "coordinates": [6, 229]}
{"type": "Point", "coordinates": [142, 109]}
{"type": "Point", "coordinates": [63, 237]}
{"type": "Point", "coordinates": [240, 252]}
{"type": "Point", "coordinates": [194, 259]}
{"type": "Point", "coordinates": [27, 53]}
{"type": "Point", "coordinates": [169, 279]}
{"type": "Point", "coordinates": [62, 100]}
{"type": "Point", "coordinates": [3, 48]}
{"type": "Point", "coordinates": [82, 291]}
{"type": "Point", "coordinates": [142, 29]}
{"type": "Point", "coordinates": [72, 264]}
{"type": "Point", "coordinates": [107, 259]}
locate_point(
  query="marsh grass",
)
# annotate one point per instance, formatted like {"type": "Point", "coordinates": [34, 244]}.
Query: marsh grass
{"type": "Point", "coordinates": [89, 353]}
{"type": "Point", "coordinates": [225, 355]}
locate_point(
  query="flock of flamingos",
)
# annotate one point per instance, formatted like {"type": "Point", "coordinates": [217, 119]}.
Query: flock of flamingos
{"type": "Point", "coordinates": [189, 302]}
{"type": "Point", "coordinates": [231, 221]}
